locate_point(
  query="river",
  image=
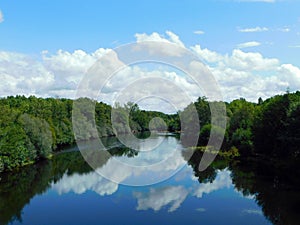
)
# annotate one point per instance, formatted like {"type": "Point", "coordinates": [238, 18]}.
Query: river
{"type": "Point", "coordinates": [66, 190]}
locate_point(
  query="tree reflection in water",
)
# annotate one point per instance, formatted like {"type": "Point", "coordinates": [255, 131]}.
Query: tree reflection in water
{"type": "Point", "coordinates": [275, 187]}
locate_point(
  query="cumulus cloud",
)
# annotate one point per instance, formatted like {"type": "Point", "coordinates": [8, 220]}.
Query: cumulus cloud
{"type": "Point", "coordinates": [171, 38]}
{"type": "Point", "coordinates": [71, 66]}
{"type": "Point", "coordinates": [169, 50]}
{"type": "Point", "coordinates": [54, 75]}
{"type": "Point", "coordinates": [157, 198]}
{"type": "Point", "coordinates": [1, 17]}
{"type": "Point", "coordinates": [290, 74]}
{"type": "Point", "coordinates": [249, 74]}
{"type": "Point", "coordinates": [238, 60]}
{"type": "Point", "coordinates": [239, 73]}
{"type": "Point", "coordinates": [81, 183]}
{"type": "Point", "coordinates": [254, 29]}
{"type": "Point", "coordinates": [249, 44]}
{"type": "Point", "coordinates": [21, 74]}
{"type": "Point", "coordinates": [175, 39]}
{"type": "Point", "coordinates": [135, 83]}
{"type": "Point", "coordinates": [250, 61]}
{"type": "Point", "coordinates": [207, 55]}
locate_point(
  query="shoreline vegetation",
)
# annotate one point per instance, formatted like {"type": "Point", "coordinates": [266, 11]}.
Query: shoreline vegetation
{"type": "Point", "coordinates": [32, 129]}
{"type": "Point", "coordinates": [231, 153]}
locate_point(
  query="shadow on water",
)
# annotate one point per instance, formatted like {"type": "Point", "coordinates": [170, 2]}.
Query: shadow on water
{"type": "Point", "coordinates": [275, 185]}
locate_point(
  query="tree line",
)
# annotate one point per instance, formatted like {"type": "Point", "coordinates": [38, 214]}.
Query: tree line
{"type": "Point", "coordinates": [33, 128]}
{"type": "Point", "coordinates": [269, 128]}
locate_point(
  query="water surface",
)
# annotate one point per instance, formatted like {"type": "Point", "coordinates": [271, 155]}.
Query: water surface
{"type": "Point", "coordinates": [66, 190]}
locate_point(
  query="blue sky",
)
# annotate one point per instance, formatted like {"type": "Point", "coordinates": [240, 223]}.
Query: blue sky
{"type": "Point", "coordinates": [268, 27]}
{"type": "Point", "coordinates": [31, 26]}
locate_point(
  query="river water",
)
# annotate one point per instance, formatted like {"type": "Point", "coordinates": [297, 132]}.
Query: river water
{"type": "Point", "coordinates": [67, 191]}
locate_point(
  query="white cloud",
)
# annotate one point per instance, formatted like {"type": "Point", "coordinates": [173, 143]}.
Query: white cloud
{"type": "Point", "coordinates": [284, 29]}
{"type": "Point", "coordinates": [71, 66]}
{"type": "Point", "coordinates": [250, 61]}
{"type": "Point", "coordinates": [175, 39]}
{"type": "Point", "coordinates": [207, 55]}
{"type": "Point", "coordinates": [254, 29]}
{"type": "Point", "coordinates": [22, 75]}
{"type": "Point", "coordinates": [290, 74]}
{"type": "Point", "coordinates": [56, 74]}
{"type": "Point", "coordinates": [238, 60]}
{"type": "Point", "coordinates": [223, 180]}
{"type": "Point", "coordinates": [240, 74]}
{"type": "Point", "coordinates": [140, 37]}
{"type": "Point", "coordinates": [171, 38]}
{"type": "Point", "coordinates": [1, 17]}
{"type": "Point", "coordinates": [175, 89]}
{"type": "Point", "coordinates": [81, 183]}
{"type": "Point", "coordinates": [263, 29]}
{"type": "Point", "coordinates": [249, 74]}
{"type": "Point", "coordinates": [157, 198]}
{"type": "Point", "coordinates": [169, 50]}
{"type": "Point", "coordinates": [249, 44]}
{"type": "Point", "coordinates": [199, 32]}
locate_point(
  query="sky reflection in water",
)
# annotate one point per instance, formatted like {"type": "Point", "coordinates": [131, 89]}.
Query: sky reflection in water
{"type": "Point", "coordinates": [85, 197]}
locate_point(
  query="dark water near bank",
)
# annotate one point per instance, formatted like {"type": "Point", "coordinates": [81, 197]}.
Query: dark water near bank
{"type": "Point", "coordinates": [66, 190]}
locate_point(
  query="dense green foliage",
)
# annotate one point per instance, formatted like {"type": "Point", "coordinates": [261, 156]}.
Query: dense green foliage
{"type": "Point", "coordinates": [277, 127]}
{"type": "Point", "coordinates": [32, 128]}
{"type": "Point", "coordinates": [269, 128]}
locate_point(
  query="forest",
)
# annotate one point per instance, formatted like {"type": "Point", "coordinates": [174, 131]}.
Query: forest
{"type": "Point", "coordinates": [33, 128]}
